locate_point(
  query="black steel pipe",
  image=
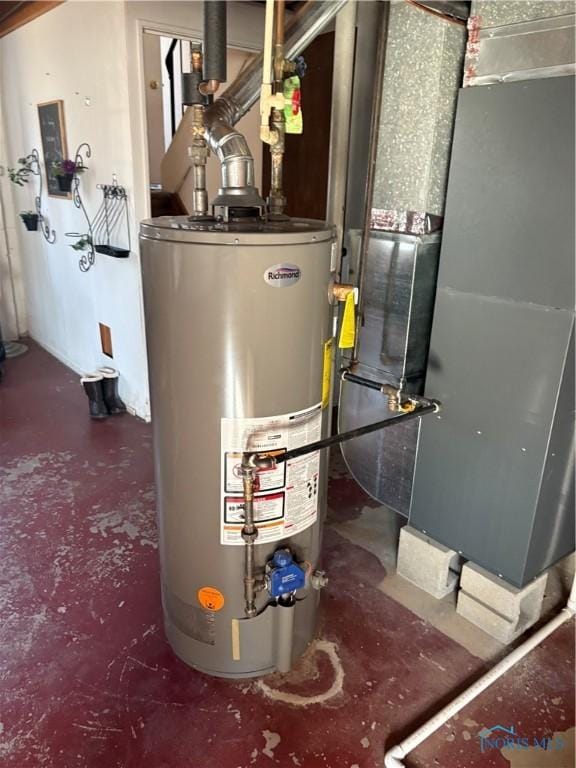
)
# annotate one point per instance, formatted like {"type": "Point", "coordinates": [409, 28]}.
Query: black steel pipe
{"type": "Point", "coordinates": [343, 437]}
{"type": "Point", "coordinates": [215, 40]}
{"type": "Point", "coordinates": [347, 376]}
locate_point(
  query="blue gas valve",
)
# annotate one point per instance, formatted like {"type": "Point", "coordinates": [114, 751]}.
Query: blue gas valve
{"type": "Point", "coordinates": [285, 575]}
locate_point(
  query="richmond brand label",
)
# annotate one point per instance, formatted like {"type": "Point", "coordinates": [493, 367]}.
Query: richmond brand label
{"type": "Point", "coordinates": [282, 275]}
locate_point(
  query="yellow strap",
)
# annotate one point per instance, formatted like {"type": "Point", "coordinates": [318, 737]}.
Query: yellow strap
{"type": "Point", "coordinates": [348, 329]}
{"type": "Point", "coordinates": [327, 373]}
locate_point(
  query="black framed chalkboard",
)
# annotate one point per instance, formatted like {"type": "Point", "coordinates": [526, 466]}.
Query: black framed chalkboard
{"type": "Point", "coordinates": [54, 147]}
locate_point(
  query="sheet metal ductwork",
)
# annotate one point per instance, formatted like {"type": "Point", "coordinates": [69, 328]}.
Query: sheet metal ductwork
{"type": "Point", "coordinates": [401, 241]}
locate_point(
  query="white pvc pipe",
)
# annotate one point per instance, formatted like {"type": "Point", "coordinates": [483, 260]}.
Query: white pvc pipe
{"type": "Point", "coordinates": [395, 756]}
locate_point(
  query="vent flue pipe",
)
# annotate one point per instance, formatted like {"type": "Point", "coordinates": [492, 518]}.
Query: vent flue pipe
{"type": "Point", "coordinates": [228, 144]}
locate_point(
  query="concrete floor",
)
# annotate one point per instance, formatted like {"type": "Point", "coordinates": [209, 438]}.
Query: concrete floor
{"type": "Point", "coordinates": [87, 678]}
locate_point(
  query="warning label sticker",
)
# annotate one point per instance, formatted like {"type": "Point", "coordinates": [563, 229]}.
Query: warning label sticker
{"type": "Point", "coordinates": [286, 501]}
{"type": "Point", "coordinates": [211, 598]}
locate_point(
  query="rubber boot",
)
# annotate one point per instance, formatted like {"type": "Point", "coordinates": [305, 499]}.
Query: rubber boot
{"type": "Point", "coordinates": [110, 388]}
{"type": "Point", "coordinates": [93, 387]}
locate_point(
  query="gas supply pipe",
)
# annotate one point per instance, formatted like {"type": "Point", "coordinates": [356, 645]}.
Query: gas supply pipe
{"type": "Point", "coordinates": [268, 99]}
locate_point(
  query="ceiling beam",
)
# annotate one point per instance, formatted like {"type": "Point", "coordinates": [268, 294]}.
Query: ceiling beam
{"type": "Point", "coordinates": [25, 12]}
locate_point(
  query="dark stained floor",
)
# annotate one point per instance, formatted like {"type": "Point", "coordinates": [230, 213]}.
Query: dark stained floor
{"type": "Point", "coordinates": [87, 679]}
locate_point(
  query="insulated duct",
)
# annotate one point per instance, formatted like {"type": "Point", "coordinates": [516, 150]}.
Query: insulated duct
{"type": "Point", "coordinates": [228, 144]}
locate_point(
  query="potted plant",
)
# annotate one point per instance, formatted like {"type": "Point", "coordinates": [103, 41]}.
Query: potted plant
{"type": "Point", "coordinates": [30, 219]}
{"type": "Point", "coordinates": [83, 244]}
{"type": "Point", "coordinates": [64, 171]}
{"type": "Point", "coordinates": [20, 175]}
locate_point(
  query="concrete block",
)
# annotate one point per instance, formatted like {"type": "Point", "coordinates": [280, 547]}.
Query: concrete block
{"type": "Point", "coordinates": [498, 608]}
{"type": "Point", "coordinates": [426, 563]}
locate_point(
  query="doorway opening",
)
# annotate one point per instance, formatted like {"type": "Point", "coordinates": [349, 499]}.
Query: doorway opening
{"type": "Point", "coordinates": [166, 58]}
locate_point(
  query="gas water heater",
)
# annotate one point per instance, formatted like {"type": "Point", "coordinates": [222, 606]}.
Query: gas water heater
{"type": "Point", "coordinates": [239, 324]}
{"type": "Point", "coordinates": [239, 333]}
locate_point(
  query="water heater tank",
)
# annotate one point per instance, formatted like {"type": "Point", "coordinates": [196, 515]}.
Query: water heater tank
{"type": "Point", "coordinates": [239, 335]}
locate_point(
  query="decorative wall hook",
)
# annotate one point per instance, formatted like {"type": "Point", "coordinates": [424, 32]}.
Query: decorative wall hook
{"type": "Point", "coordinates": [49, 235]}
{"type": "Point", "coordinates": [30, 165]}
{"type": "Point", "coordinates": [85, 242]}
{"type": "Point", "coordinates": [111, 225]}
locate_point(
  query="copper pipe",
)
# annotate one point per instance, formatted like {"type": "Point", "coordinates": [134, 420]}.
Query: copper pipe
{"type": "Point", "coordinates": [279, 31]}
{"type": "Point", "coordinates": [276, 200]}
{"type": "Point", "coordinates": [208, 87]}
{"type": "Point", "coordinates": [196, 60]}
{"type": "Point", "coordinates": [340, 291]}
{"type": "Point", "coordinates": [279, 44]}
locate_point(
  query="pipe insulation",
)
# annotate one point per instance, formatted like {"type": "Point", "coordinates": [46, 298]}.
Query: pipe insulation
{"type": "Point", "coordinates": [215, 40]}
{"type": "Point", "coordinates": [229, 145]}
{"type": "Point", "coordinates": [394, 758]}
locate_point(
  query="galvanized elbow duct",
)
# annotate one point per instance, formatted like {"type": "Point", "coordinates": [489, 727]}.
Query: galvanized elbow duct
{"type": "Point", "coordinates": [237, 168]}
{"type": "Point", "coordinates": [228, 144]}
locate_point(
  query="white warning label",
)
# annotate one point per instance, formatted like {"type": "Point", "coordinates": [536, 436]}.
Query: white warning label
{"type": "Point", "coordinates": [286, 500]}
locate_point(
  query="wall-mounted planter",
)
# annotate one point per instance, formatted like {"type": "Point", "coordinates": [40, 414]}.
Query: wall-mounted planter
{"type": "Point", "coordinates": [65, 182]}
{"type": "Point", "coordinates": [112, 250]}
{"type": "Point", "coordinates": [33, 220]}
{"type": "Point", "coordinates": [30, 221]}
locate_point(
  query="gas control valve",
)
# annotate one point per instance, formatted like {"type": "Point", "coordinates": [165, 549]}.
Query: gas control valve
{"type": "Point", "coordinates": [284, 576]}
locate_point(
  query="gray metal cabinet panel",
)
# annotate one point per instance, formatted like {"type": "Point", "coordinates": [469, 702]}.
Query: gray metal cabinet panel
{"type": "Point", "coordinates": [553, 532]}
{"type": "Point", "coordinates": [512, 193]}
{"type": "Point", "coordinates": [493, 475]}
{"type": "Point", "coordinates": [497, 368]}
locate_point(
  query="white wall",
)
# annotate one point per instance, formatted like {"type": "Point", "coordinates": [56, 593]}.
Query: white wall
{"type": "Point", "coordinates": [87, 69]}
{"type": "Point", "coordinates": [99, 58]}
{"type": "Point", "coordinates": [154, 104]}
{"type": "Point", "coordinates": [12, 300]}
